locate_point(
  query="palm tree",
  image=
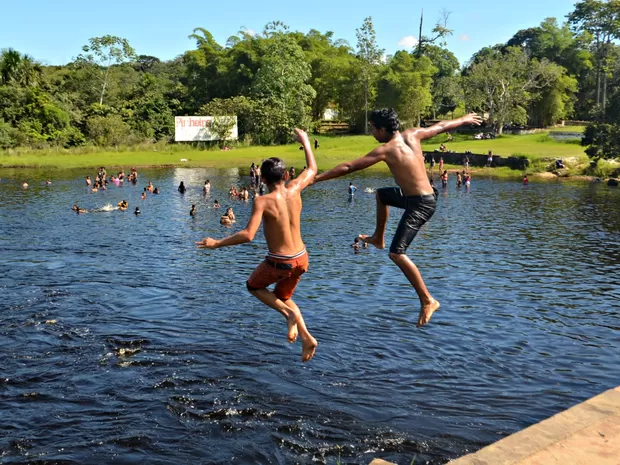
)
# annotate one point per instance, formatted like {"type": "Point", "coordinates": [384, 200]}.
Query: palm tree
{"type": "Point", "coordinates": [30, 71]}
{"type": "Point", "coordinates": [19, 69]}
{"type": "Point", "coordinates": [10, 60]}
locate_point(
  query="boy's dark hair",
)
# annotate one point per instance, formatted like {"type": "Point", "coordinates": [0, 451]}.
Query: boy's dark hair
{"type": "Point", "coordinates": [385, 118]}
{"type": "Point", "coordinates": [273, 170]}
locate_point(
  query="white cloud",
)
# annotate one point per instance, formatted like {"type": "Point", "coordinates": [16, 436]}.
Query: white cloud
{"type": "Point", "coordinates": [408, 42]}
{"type": "Point", "coordinates": [252, 32]}
{"type": "Point", "coordinates": [464, 38]}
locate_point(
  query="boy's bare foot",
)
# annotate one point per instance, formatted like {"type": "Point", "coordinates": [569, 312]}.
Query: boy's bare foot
{"type": "Point", "coordinates": [292, 334]}
{"type": "Point", "coordinates": [308, 347]}
{"type": "Point", "coordinates": [291, 322]}
{"type": "Point", "coordinates": [427, 311]}
{"type": "Point", "coordinates": [379, 243]}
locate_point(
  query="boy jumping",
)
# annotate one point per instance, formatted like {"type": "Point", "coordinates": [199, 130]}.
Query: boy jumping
{"type": "Point", "coordinates": [287, 258]}
{"type": "Point", "coordinates": [402, 153]}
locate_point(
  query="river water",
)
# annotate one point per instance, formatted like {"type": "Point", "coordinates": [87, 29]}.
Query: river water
{"type": "Point", "coordinates": [120, 342]}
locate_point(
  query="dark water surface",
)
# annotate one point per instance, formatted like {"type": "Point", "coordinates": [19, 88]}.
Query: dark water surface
{"type": "Point", "coordinates": [158, 354]}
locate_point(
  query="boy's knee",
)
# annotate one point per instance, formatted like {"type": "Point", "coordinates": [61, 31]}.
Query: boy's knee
{"type": "Point", "coordinates": [395, 256]}
{"type": "Point", "coordinates": [251, 290]}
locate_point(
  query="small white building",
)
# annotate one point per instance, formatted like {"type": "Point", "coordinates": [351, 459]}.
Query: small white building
{"type": "Point", "coordinates": [330, 114]}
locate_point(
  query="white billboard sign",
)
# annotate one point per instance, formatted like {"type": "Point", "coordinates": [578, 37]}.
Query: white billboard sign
{"type": "Point", "coordinates": [199, 128]}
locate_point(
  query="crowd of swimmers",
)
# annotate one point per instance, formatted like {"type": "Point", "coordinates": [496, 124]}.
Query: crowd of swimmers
{"type": "Point", "coordinates": [463, 178]}
{"type": "Point", "coordinates": [243, 193]}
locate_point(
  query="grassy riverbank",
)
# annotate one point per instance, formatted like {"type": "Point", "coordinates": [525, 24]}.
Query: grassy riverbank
{"type": "Point", "coordinates": [539, 148]}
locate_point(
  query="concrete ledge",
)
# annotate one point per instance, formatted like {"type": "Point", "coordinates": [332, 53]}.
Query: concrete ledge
{"type": "Point", "coordinates": [586, 434]}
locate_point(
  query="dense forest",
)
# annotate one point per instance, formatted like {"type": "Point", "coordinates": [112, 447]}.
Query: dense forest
{"type": "Point", "coordinates": [277, 79]}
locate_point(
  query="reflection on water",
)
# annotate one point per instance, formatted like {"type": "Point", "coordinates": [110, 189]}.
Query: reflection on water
{"type": "Point", "coordinates": [122, 342]}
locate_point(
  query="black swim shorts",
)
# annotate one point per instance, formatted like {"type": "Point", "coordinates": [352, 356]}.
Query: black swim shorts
{"type": "Point", "coordinates": [418, 210]}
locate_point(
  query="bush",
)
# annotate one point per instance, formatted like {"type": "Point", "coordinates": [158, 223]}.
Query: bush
{"type": "Point", "coordinates": [602, 140]}
{"type": "Point", "coordinates": [108, 130]}
{"type": "Point", "coordinates": [7, 136]}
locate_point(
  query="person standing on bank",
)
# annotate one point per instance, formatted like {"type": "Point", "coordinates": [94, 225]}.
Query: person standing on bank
{"type": "Point", "coordinates": [402, 153]}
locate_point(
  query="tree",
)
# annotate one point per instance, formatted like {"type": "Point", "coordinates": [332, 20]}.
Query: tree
{"type": "Point", "coordinates": [405, 85]}
{"type": "Point", "coordinates": [559, 45]}
{"type": "Point", "coordinates": [149, 110]}
{"type": "Point", "coordinates": [447, 95]}
{"type": "Point", "coordinates": [602, 140]}
{"type": "Point", "coordinates": [242, 107]}
{"type": "Point", "coordinates": [328, 60]}
{"type": "Point", "coordinates": [108, 130]}
{"type": "Point", "coordinates": [101, 54]}
{"type": "Point", "coordinates": [10, 61]}
{"type": "Point", "coordinates": [504, 84]}
{"type": "Point", "coordinates": [446, 88]}
{"type": "Point", "coordinates": [555, 101]}
{"type": "Point", "coordinates": [18, 69]}
{"type": "Point", "coordinates": [282, 80]}
{"type": "Point", "coordinates": [203, 68]}
{"type": "Point", "coordinates": [601, 19]}
{"type": "Point", "coordinates": [222, 126]}
{"type": "Point", "coordinates": [7, 135]}
{"type": "Point", "coordinates": [440, 31]}
{"type": "Point", "coordinates": [555, 43]}
{"type": "Point", "coordinates": [370, 55]}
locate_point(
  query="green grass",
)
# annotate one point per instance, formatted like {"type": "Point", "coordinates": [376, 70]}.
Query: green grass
{"type": "Point", "coordinates": [539, 148]}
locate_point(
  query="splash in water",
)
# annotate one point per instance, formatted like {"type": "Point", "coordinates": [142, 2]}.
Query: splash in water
{"type": "Point", "coordinates": [369, 190]}
{"type": "Point", "coordinates": [108, 207]}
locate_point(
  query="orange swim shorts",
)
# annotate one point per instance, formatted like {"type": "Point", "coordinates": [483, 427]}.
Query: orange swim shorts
{"type": "Point", "coordinates": [285, 272]}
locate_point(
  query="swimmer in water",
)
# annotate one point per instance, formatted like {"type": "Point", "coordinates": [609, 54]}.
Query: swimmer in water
{"type": "Point", "coordinates": [192, 212]}
{"type": "Point", "coordinates": [225, 221]}
{"type": "Point", "coordinates": [228, 218]}
{"type": "Point", "coordinates": [136, 211]}
{"type": "Point", "coordinates": [78, 210]}
{"type": "Point", "coordinates": [358, 244]}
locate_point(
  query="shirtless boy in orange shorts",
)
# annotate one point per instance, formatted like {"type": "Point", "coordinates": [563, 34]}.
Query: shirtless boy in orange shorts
{"type": "Point", "coordinates": [287, 259]}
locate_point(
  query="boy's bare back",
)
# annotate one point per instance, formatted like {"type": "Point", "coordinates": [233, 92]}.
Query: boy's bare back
{"type": "Point", "coordinates": [280, 209]}
{"type": "Point", "coordinates": [282, 217]}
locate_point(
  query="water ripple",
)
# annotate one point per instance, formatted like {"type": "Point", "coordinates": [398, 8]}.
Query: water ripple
{"type": "Point", "coordinates": [122, 343]}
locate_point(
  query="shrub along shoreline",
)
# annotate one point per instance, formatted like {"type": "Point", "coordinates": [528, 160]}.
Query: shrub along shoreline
{"type": "Point", "coordinates": [540, 149]}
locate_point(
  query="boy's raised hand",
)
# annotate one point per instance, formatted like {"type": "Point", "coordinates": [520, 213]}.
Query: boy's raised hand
{"type": "Point", "coordinates": [300, 135]}
{"type": "Point", "coordinates": [207, 243]}
{"type": "Point", "coordinates": [472, 118]}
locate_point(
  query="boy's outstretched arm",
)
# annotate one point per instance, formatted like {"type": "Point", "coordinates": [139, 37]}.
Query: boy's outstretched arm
{"type": "Point", "coordinates": [241, 237]}
{"type": "Point", "coordinates": [348, 167]}
{"type": "Point", "coordinates": [442, 126]}
{"type": "Point", "coordinates": [307, 176]}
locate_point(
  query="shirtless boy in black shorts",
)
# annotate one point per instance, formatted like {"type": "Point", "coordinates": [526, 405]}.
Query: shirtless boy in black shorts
{"type": "Point", "coordinates": [402, 153]}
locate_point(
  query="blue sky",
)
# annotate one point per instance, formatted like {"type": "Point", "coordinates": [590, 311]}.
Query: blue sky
{"type": "Point", "coordinates": [55, 31]}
